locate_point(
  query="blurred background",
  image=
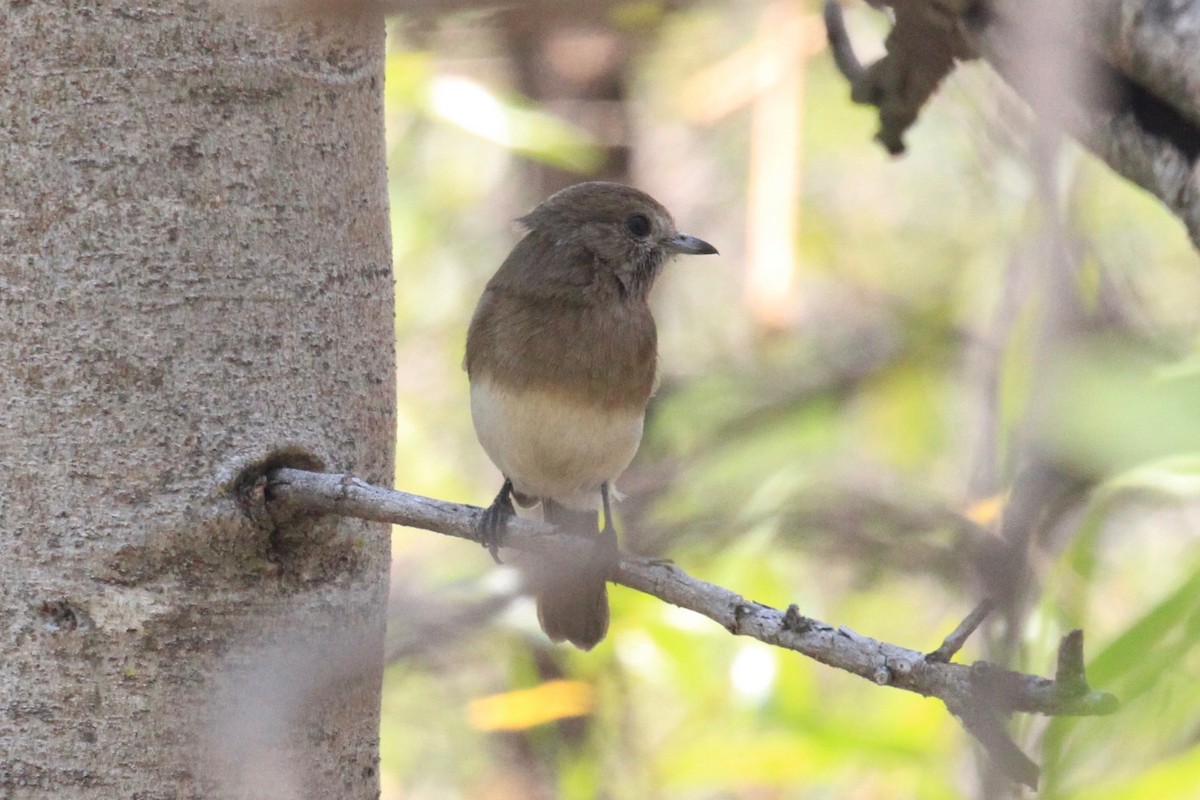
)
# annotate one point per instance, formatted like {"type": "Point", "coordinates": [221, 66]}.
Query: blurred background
{"type": "Point", "coordinates": [906, 384]}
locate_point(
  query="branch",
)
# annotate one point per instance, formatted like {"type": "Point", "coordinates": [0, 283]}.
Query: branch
{"type": "Point", "coordinates": [921, 50]}
{"type": "Point", "coordinates": [981, 695]}
{"type": "Point", "coordinates": [1118, 75]}
{"type": "Point", "coordinates": [958, 637]}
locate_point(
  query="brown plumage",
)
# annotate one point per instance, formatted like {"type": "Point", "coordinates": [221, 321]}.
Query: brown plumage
{"type": "Point", "coordinates": [561, 355]}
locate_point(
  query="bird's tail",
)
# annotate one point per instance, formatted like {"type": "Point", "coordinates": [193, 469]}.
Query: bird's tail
{"type": "Point", "coordinates": [572, 596]}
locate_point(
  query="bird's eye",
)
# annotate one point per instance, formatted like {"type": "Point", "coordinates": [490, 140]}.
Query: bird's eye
{"type": "Point", "coordinates": [638, 225]}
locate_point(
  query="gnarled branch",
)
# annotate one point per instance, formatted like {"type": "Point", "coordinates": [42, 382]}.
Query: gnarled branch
{"type": "Point", "coordinates": [980, 695]}
{"type": "Point", "coordinates": [1115, 74]}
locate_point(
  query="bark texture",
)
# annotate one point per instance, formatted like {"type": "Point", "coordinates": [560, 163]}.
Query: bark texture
{"type": "Point", "coordinates": [194, 281]}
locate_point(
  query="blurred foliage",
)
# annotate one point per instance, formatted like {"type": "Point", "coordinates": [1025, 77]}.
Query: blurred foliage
{"type": "Point", "coordinates": [949, 325]}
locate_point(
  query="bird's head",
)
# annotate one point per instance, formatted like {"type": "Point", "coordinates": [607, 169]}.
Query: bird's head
{"type": "Point", "coordinates": [626, 230]}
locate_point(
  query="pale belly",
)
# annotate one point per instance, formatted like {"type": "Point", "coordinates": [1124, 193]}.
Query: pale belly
{"type": "Point", "coordinates": [549, 446]}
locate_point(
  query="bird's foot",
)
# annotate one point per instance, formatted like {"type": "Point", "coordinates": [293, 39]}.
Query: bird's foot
{"type": "Point", "coordinates": [606, 555]}
{"type": "Point", "coordinates": [608, 551]}
{"type": "Point", "coordinates": [493, 522]}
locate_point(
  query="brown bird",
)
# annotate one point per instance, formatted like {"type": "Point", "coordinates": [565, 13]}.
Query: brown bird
{"type": "Point", "coordinates": [562, 355]}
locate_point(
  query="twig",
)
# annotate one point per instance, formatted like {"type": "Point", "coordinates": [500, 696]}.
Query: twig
{"type": "Point", "coordinates": [1069, 677]}
{"type": "Point", "coordinates": [988, 729]}
{"type": "Point", "coordinates": [973, 693]}
{"type": "Point", "coordinates": [958, 637]}
{"type": "Point", "coordinates": [921, 50]}
{"type": "Point", "coordinates": [840, 46]}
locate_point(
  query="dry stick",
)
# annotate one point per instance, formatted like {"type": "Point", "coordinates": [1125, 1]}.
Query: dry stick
{"type": "Point", "coordinates": [972, 693]}
{"type": "Point", "coordinates": [958, 637]}
{"type": "Point", "coordinates": [840, 46]}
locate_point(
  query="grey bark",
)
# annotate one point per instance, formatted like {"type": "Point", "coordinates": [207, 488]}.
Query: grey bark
{"type": "Point", "coordinates": [194, 279]}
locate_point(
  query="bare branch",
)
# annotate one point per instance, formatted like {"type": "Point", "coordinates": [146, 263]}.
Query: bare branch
{"type": "Point", "coordinates": [988, 729]}
{"type": "Point", "coordinates": [1155, 44]}
{"type": "Point", "coordinates": [921, 50]}
{"type": "Point", "coordinates": [840, 45]}
{"type": "Point", "coordinates": [958, 637]}
{"type": "Point", "coordinates": [981, 695]}
{"type": "Point", "coordinates": [1070, 676]}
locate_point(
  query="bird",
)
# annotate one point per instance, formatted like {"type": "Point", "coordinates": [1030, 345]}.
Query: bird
{"type": "Point", "coordinates": [561, 357]}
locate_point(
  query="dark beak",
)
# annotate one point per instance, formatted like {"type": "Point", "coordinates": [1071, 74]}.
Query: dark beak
{"type": "Point", "coordinates": [682, 243]}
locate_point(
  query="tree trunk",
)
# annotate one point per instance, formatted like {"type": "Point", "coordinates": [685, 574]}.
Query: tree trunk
{"type": "Point", "coordinates": [194, 281]}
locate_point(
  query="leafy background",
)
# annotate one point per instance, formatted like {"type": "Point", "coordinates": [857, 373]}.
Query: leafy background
{"type": "Point", "coordinates": [850, 394]}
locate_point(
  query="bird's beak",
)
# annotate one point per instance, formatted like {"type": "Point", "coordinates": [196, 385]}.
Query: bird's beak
{"type": "Point", "coordinates": [682, 243]}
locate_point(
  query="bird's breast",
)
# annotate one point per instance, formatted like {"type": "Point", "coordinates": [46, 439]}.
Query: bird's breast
{"type": "Point", "coordinates": [553, 444]}
{"type": "Point", "coordinates": [602, 353]}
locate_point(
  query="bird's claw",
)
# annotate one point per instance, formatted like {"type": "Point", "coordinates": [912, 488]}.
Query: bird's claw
{"type": "Point", "coordinates": [493, 525]}
{"type": "Point", "coordinates": [493, 522]}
